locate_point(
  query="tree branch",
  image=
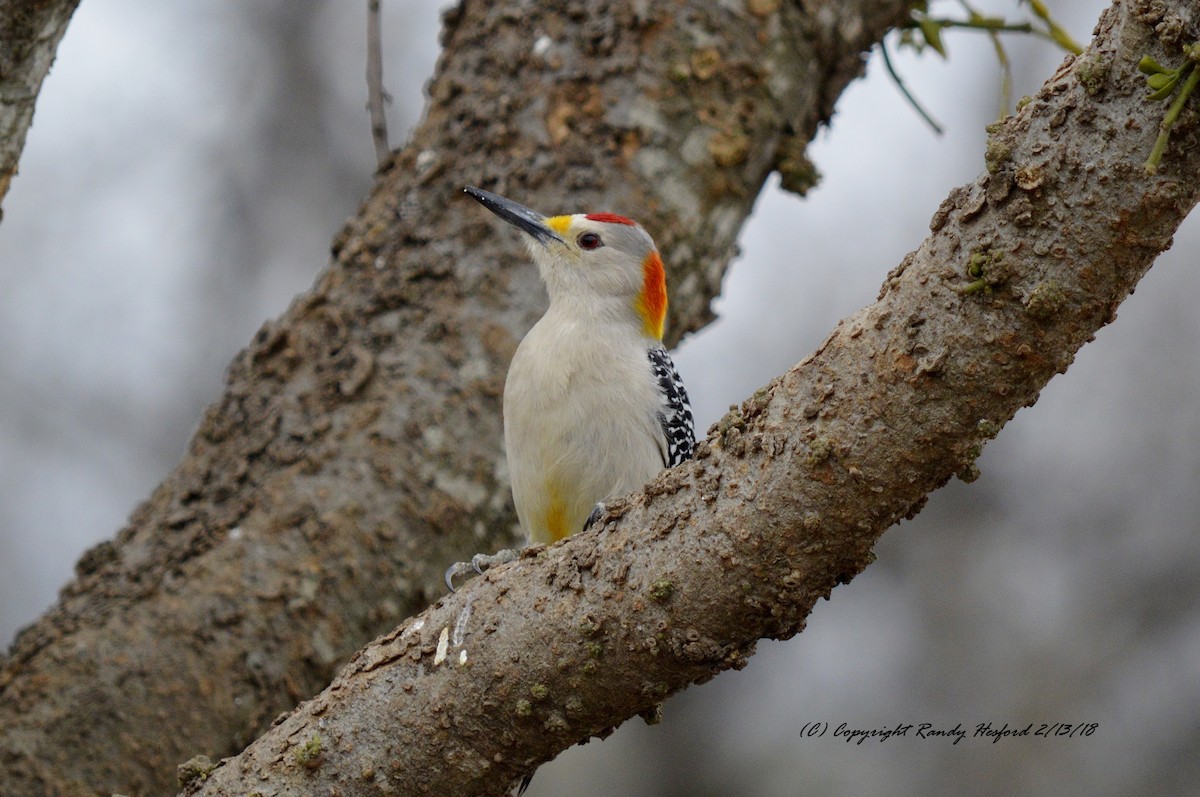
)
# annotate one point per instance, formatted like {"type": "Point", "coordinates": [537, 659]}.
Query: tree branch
{"type": "Point", "coordinates": [377, 97]}
{"type": "Point", "coordinates": [29, 36]}
{"type": "Point", "coordinates": [789, 493]}
{"type": "Point", "coordinates": [355, 451]}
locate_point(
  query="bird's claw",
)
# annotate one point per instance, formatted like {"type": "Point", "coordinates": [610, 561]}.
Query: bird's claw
{"type": "Point", "coordinates": [454, 571]}
{"type": "Point", "coordinates": [479, 562]}
{"type": "Point", "coordinates": [597, 512]}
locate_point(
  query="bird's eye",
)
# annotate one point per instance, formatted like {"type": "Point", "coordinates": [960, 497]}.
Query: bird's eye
{"type": "Point", "coordinates": [589, 240]}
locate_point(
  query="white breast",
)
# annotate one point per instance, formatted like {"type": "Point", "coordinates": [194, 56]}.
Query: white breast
{"type": "Point", "coordinates": [581, 421]}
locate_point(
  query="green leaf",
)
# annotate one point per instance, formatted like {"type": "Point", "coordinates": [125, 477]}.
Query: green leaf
{"type": "Point", "coordinates": [1161, 80]}
{"type": "Point", "coordinates": [1151, 67]}
{"type": "Point", "coordinates": [1165, 88]}
{"type": "Point", "coordinates": [932, 31]}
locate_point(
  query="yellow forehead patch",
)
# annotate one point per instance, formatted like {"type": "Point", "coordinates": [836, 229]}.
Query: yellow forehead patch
{"type": "Point", "coordinates": [559, 224]}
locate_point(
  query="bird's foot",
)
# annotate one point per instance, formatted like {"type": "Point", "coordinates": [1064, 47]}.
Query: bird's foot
{"type": "Point", "coordinates": [598, 510]}
{"type": "Point", "coordinates": [479, 562]}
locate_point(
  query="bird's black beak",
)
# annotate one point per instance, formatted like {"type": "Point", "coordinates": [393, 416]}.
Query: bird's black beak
{"type": "Point", "coordinates": [521, 217]}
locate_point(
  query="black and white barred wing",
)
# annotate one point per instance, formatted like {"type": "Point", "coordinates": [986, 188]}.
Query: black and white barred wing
{"type": "Point", "coordinates": [676, 414]}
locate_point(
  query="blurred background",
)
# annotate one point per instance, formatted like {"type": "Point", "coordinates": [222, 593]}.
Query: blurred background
{"type": "Point", "coordinates": [162, 215]}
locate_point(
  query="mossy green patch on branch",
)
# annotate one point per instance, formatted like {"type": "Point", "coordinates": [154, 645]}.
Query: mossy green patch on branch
{"type": "Point", "coordinates": [1045, 300]}
{"type": "Point", "coordinates": [982, 267]}
{"type": "Point", "coordinates": [662, 590]}
{"type": "Point", "coordinates": [308, 755]}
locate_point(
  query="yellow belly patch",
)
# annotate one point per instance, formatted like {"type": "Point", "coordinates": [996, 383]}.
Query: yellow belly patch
{"type": "Point", "coordinates": [556, 519]}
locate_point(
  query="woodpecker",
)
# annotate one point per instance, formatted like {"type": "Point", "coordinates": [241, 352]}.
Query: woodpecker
{"type": "Point", "coordinates": [593, 405]}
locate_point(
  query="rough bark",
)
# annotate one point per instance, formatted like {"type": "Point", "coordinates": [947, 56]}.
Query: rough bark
{"type": "Point", "coordinates": [789, 493]}
{"type": "Point", "coordinates": [29, 36]}
{"type": "Point", "coordinates": [356, 450]}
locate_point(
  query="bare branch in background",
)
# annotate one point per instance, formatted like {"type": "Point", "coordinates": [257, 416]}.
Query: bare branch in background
{"type": "Point", "coordinates": [377, 98]}
{"type": "Point", "coordinates": [29, 37]}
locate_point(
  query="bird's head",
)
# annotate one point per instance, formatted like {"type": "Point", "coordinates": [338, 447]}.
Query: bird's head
{"type": "Point", "coordinates": [598, 258]}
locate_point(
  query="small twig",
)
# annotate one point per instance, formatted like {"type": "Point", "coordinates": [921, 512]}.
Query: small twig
{"type": "Point", "coordinates": [1164, 128]}
{"type": "Point", "coordinates": [991, 24]}
{"type": "Point", "coordinates": [1056, 31]}
{"type": "Point", "coordinates": [930, 30]}
{"type": "Point", "coordinates": [887, 62]}
{"type": "Point", "coordinates": [1006, 80]}
{"type": "Point", "coordinates": [995, 25]}
{"type": "Point", "coordinates": [376, 96]}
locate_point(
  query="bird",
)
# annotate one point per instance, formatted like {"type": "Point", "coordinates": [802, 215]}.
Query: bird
{"type": "Point", "coordinates": [594, 408]}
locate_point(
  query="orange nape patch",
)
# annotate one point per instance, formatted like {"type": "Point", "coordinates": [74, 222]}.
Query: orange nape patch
{"type": "Point", "coordinates": [651, 303]}
{"type": "Point", "coordinates": [610, 218]}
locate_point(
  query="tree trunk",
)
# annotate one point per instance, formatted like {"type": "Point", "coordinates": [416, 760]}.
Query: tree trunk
{"type": "Point", "coordinates": [356, 450]}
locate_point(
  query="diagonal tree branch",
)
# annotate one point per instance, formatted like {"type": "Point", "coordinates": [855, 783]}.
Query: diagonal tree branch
{"type": "Point", "coordinates": [356, 449]}
{"type": "Point", "coordinates": [29, 36]}
{"type": "Point", "coordinates": [790, 492]}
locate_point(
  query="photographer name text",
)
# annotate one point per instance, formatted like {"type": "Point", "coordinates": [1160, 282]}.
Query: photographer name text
{"type": "Point", "coordinates": [983, 731]}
